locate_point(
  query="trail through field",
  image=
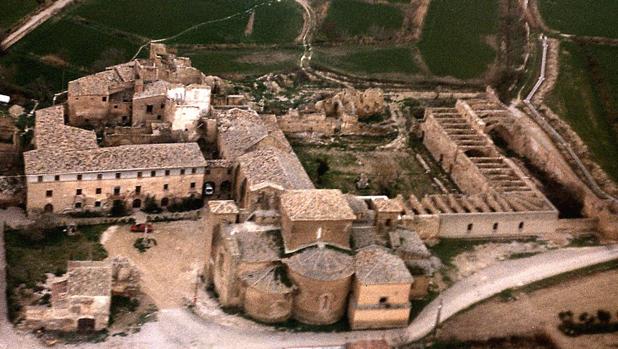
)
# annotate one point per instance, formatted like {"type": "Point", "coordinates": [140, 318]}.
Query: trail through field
{"type": "Point", "coordinates": [248, 11]}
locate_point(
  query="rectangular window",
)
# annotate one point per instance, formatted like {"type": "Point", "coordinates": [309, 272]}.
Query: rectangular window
{"type": "Point", "coordinates": [98, 190]}
{"type": "Point", "coordinates": [40, 178]}
{"type": "Point", "coordinates": [193, 170]}
{"type": "Point", "coordinates": [182, 172]}
{"type": "Point", "coordinates": [139, 174]}
{"type": "Point", "coordinates": [116, 190]}
{"type": "Point", "coordinates": [207, 171]}
{"type": "Point", "coordinates": [165, 186]}
{"type": "Point", "coordinates": [149, 108]}
{"type": "Point", "coordinates": [153, 173]}
{"type": "Point", "coordinates": [192, 185]}
{"type": "Point", "coordinates": [56, 178]}
{"type": "Point", "coordinates": [79, 177]}
{"type": "Point", "coordinates": [97, 204]}
{"type": "Point", "coordinates": [49, 193]}
{"type": "Point", "coordinates": [100, 176]}
{"type": "Point", "coordinates": [138, 189]}
{"type": "Point", "coordinates": [229, 170]}
{"type": "Point", "coordinates": [167, 172]}
{"type": "Point", "coordinates": [104, 99]}
{"type": "Point", "coordinates": [117, 175]}
{"type": "Point", "coordinates": [78, 192]}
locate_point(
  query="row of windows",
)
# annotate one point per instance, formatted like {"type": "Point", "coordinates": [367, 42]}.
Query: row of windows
{"type": "Point", "coordinates": [140, 174]}
{"type": "Point", "coordinates": [117, 190]}
{"type": "Point", "coordinates": [495, 226]}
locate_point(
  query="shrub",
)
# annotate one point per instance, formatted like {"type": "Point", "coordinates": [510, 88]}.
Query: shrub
{"type": "Point", "coordinates": [151, 206]}
{"type": "Point", "coordinates": [119, 209]}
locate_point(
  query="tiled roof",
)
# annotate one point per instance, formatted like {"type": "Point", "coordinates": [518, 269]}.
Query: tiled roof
{"type": "Point", "coordinates": [375, 265]}
{"type": "Point", "coordinates": [98, 84]}
{"type": "Point", "coordinates": [388, 205]}
{"type": "Point", "coordinates": [50, 132]}
{"type": "Point", "coordinates": [268, 280]}
{"type": "Point", "coordinates": [157, 88]}
{"type": "Point", "coordinates": [274, 167]}
{"type": "Point", "coordinates": [239, 131]}
{"type": "Point", "coordinates": [222, 206]}
{"type": "Point", "coordinates": [125, 157]}
{"type": "Point", "coordinates": [255, 243]}
{"type": "Point", "coordinates": [408, 242]}
{"type": "Point", "coordinates": [89, 278]}
{"type": "Point", "coordinates": [315, 204]}
{"type": "Point", "coordinates": [321, 263]}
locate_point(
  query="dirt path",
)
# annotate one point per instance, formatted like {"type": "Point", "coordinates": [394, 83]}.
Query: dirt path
{"type": "Point", "coordinates": [33, 22]}
{"type": "Point", "coordinates": [536, 312]}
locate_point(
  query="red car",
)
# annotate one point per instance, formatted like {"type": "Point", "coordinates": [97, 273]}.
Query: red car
{"type": "Point", "coordinates": [140, 228]}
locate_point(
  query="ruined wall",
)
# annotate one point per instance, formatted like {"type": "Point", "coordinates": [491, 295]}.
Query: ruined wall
{"type": "Point", "coordinates": [319, 302]}
{"type": "Point", "coordinates": [379, 305]}
{"type": "Point", "coordinates": [299, 234]}
{"type": "Point", "coordinates": [84, 110]}
{"type": "Point", "coordinates": [508, 224]}
{"type": "Point", "coordinates": [148, 109]}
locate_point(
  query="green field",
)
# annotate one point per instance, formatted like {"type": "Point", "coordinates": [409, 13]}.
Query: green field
{"type": "Point", "coordinates": [453, 42]}
{"type": "Point", "coordinates": [232, 62]}
{"type": "Point", "coordinates": [349, 18]}
{"type": "Point", "coordinates": [580, 17]}
{"type": "Point", "coordinates": [275, 22]}
{"type": "Point", "coordinates": [586, 96]}
{"type": "Point", "coordinates": [12, 11]}
{"type": "Point", "coordinates": [368, 61]}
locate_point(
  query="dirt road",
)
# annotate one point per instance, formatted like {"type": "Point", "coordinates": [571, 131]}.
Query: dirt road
{"type": "Point", "coordinates": [32, 23]}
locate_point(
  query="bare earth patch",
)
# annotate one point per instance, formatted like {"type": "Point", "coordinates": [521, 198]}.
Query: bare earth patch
{"type": "Point", "coordinates": [169, 269]}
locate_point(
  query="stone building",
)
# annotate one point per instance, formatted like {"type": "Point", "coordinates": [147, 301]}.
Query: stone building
{"type": "Point", "coordinates": [81, 299]}
{"type": "Point", "coordinates": [499, 199]}
{"type": "Point", "coordinates": [137, 92]}
{"type": "Point", "coordinates": [380, 290]}
{"type": "Point", "coordinates": [323, 276]}
{"type": "Point", "coordinates": [68, 172]}
{"type": "Point", "coordinates": [313, 216]}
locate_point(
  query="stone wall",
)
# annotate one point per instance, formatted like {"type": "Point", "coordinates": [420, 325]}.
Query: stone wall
{"type": "Point", "coordinates": [299, 234]}
{"type": "Point", "coordinates": [267, 307]}
{"type": "Point", "coordinates": [64, 192]}
{"type": "Point", "coordinates": [320, 302]}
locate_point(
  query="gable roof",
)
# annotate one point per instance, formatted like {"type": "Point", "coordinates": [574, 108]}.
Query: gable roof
{"type": "Point", "coordinates": [316, 204]}
{"type": "Point", "coordinates": [273, 167]}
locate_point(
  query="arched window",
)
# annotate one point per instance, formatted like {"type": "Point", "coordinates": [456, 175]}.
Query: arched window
{"type": "Point", "coordinates": [48, 208]}
{"type": "Point", "coordinates": [495, 227]}
{"type": "Point", "coordinates": [324, 302]}
{"type": "Point", "coordinates": [521, 226]}
{"type": "Point", "coordinates": [470, 227]}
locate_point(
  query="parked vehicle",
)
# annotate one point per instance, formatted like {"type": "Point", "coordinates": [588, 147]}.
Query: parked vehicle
{"type": "Point", "coordinates": [140, 228]}
{"type": "Point", "coordinates": [208, 189]}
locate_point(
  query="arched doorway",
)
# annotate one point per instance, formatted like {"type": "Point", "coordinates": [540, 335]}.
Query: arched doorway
{"type": "Point", "coordinates": [49, 208]}
{"type": "Point", "coordinates": [137, 203]}
{"type": "Point", "coordinates": [165, 202]}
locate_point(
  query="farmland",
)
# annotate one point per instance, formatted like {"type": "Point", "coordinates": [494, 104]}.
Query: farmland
{"type": "Point", "coordinates": [585, 96]}
{"type": "Point", "coordinates": [590, 18]}
{"type": "Point", "coordinates": [350, 18]}
{"type": "Point", "coordinates": [11, 11]}
{"type": "Point", "coordinates": [369, 61]}
{"type": "Point", "coordinates": [456, 37]}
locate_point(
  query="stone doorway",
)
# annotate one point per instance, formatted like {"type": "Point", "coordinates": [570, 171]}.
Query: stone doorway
{"type": "Point", "coordinates": [85, 325]}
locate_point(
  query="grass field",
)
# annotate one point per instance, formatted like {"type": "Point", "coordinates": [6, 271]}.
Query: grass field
{"type": "Point", "coordinates": [275, 22]}
{"type": "Point", "coordinates": [586, 97]}
{"type": "Point", "coordinates": [232, 62]}
{"type": "Point", "coordinates": [12, 11]}
{"type": "Point", "coordinates": [591, 18]}
{"type": "Point", "coordinates": [367, 60]}
{"type": "Point", "coordinates": [349, 18]}
{"type": "Point", "coordinates": [453, 42]}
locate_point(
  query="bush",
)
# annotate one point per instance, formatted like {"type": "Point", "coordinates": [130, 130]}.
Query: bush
{"type": "Point", "coordinates": [119, 209]}
{"type": "Point", "coordinates": [143, 244]}
{"type": "Point", "coordinates": [151, 206]}
{"type": "Point", "coordinates": [186, 204]}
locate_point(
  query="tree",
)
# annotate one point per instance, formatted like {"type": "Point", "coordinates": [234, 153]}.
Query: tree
{"type": "Point", "coordinates": [151, 206]}
{"type": "Point", "coordinates": [119, 208]}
